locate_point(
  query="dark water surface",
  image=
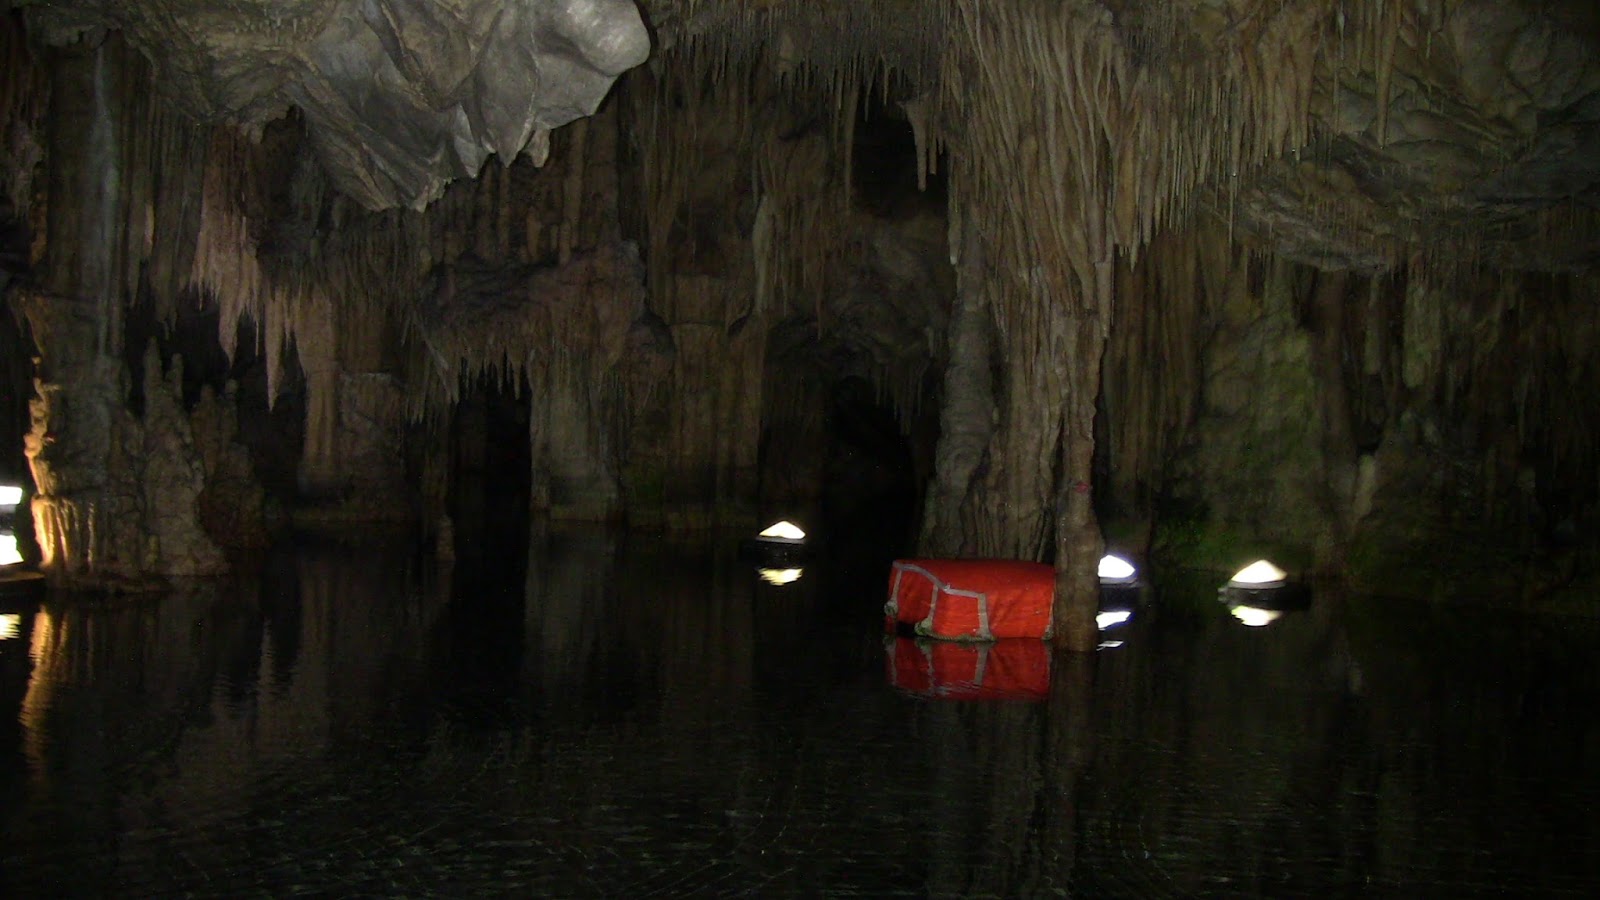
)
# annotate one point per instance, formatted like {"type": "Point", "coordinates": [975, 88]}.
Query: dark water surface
{"type": "Point", "coordinates": [610, 717]}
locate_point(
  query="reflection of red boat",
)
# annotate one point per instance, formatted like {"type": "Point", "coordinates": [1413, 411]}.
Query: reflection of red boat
{"type": "Point", "coordinates": [1015, 669]}
{"type": "Point", "coordinates": [971, 599]}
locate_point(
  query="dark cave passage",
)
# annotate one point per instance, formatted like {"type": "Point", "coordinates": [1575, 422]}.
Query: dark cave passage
{"type": "Point", "coordinates": [491, 471]}
{"type": "Point", "coordinates": [871, 485]}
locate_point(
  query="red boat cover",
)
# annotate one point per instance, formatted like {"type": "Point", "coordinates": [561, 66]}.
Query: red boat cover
{"type": "Point", "coordinates": [1017, 669]}
{"type": "Point", "coordinates": [971, 599]}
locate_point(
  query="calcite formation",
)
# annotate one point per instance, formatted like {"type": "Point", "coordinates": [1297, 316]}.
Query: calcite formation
{"type": "Point", "coordinates": [401, 96]}
{"type": "Point", "coordinates": [1204, 271]}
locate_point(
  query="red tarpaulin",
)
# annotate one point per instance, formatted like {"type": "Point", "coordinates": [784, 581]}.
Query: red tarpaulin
{"type": "Point", "coordinates": [1016, 669]}
{"type": "Point", "coordinates": [971, 599]}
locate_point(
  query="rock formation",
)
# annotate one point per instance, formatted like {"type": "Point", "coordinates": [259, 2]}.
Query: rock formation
{"type": "Point", "coordinates": [1190, 278]}
{"type": "Point", "coordinates": [400, 96]}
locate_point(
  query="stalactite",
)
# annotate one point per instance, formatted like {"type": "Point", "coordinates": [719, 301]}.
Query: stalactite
{"type": "Point", "coordinates": [927, 154]}
{"type": "Point", "coordinates": [827, 38]}
{"type": "Point", "coordinates": [225, 262]}
{"type": "Point", "coordinates": [1082, 138]}
{"type": "Point", "coordinates": [1153, 360]}
{"type": "Point", "coordinates": [848, 89]}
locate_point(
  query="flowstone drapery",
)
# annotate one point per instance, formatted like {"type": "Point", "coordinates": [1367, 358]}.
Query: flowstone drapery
{"type": "Point", "coordinates": [401, 96]}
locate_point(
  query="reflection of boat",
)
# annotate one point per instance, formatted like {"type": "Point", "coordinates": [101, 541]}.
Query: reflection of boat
{"type": "Point", "coordinates": [780, 577]}
{"type": "Point", "coordinates": [1012, 669]}
{"type": "Point", "coordinates": [1259, 606]}
{"type": "Point", "coordinates": [1118, 605]}
{"type": "Point", "coordinates": [971, 599]}
{"type": "Point", "coordinates": [1120, 598]}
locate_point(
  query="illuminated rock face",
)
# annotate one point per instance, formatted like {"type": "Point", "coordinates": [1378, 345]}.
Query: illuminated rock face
{"type": "Point", "coordinates": [401, 96]}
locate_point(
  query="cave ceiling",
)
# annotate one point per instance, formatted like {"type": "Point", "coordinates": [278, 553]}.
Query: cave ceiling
{"type": "Point", "coordinates": [401, 96]}
{"type": "Point", "coordinates": [1471, 125]}
{"type": "Point", "coordinates": [1482, 136]}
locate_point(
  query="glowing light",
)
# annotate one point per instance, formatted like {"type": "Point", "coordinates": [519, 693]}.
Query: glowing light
{"type": "Point", "coordinates": [779, 576]}
{"type": "Point", "coordinates": [10, 626]}
{"type": "Point", "coordinates": [1259, 574]}
{"type": "Point", "coordinates": [1109, 645]}
{"type": "Point", "coordinates": [783, 531]}
{"type": "Point", "coordinates": [1112, 618]}
{"type": "Point", "coordinates": [1254, 617]}
{"type": "Point", "coordinates": [10, 495]}
{"type": "Point", "coordinates": [9, 556]}
{"type": "Point", "coordinates": [1115, 570]}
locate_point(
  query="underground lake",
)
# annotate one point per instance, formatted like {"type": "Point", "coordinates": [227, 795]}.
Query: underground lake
{"type": "Point", "coordinates": [594, 714]}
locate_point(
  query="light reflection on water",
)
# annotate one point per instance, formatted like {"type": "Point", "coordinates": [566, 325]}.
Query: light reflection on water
{"type": "Point", "coordinates": [617, 717]}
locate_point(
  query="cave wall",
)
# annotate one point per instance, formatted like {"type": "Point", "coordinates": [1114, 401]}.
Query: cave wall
{"type": "Point", "coordinates": [373, 324]}
{"type": "Point", "coordinates": [854, 277]}
{"type": "Point", "coordinates": [21, 79]}
{"type": "Point", "coordinates": [117, 492]}
{"type": "Point", "coordinates": [1480, 465]}
{"type": "Point", "coordinates": [772, 277]}
{"type": "Point", "coordinates": [1129, 185]}
{"type": "Point", "coordinates": [1138, 304]}
{"type": "Point", "coordinates": [1421, 430]}
{"type": "Point", "coordinates": [693, 447]}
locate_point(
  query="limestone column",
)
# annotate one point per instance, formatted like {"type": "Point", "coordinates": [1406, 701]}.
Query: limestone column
{"type": "Point", "coordinates": [78, 400]}
{"type": "Point", "coordinates": [1047, 241]}
{"type": "Point", "coordinates": [967, 417]}
{"type": "Point", "coordinates": [116, 492]}
{"type": "Point", "coordinates": [76, 323]}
